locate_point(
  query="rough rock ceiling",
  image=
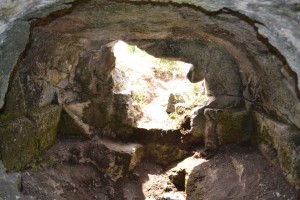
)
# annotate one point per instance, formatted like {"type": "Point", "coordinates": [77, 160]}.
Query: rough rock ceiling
{"type": "Point", "coordinates": [232, 25]}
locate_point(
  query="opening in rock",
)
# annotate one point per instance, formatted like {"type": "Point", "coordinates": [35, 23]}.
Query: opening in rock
{"type": "Point", "coordinates": [178, 179]}
{"type": "Point", "coordinates": [161, 94]}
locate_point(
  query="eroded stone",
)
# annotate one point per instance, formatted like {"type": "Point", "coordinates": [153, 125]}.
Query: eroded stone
{"type": "Point", "coordinates": [23, 138]}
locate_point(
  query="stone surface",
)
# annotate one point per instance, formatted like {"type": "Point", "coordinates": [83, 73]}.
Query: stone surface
{"type": "Point", "coordinates": [207, 64]}
{"type": "Point", "coordinates": [285, 140]}
{"type": "Point", "coordinates": [233, 126]}
{"type": "Point", "coordinates": [118, 158]}
{"type": "Point", "coordinates": [164, 155]}
{"type": "Point", "coordinates": [112, 158]}
{"type": "Point", "coordinates": [76, 169]}
{"type": "Point", "coordinates": [173, 100]}
{"type": "Point", "coordinates": [239, 172]}
{"type": "Point", "coordinates": [179, 174]}
{"type": "Point", "coordinates": [65, 64]}
{"type": "Point", "coordinates": [14, 32]}
{"type": "Point", "coordinates": [253, 57]}
{"type": "Point", "coordinates": [71, 123]}
{"type": "Point", "coordinates": [221, 126]}
{"type": "Point", "coordinates": [275, 20]}
{"type": "Point", "coordinates": [10, 51]}
{"type": "Point", "coordinates": [23, 138]}
{"type": "Point", "coordinates": [10, 185]}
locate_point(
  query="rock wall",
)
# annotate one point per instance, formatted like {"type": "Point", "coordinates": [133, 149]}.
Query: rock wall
{"type": "Point", "coordinates": [249, 51]}
{"type": "Point", "coordinates": [24, 137]}
{"type": "Point", "coordinates": [228, 30]}
{"type": "Point", "coordinates": [283, 140]}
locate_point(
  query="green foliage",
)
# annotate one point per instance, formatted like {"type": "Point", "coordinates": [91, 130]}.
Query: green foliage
{"type": "Point", "coordinates": [167, 69]}
{"type": "Point", "coordinates": [139, 101]}
{"type": "Point", "coordinates": [173, 115]}
{"type": "Point", "coordinates": [138, 97]}
{"type": "Point", "coordinates": [191, 99]}
{"type": "Point", "coordinates": [132, 49]}
{"type": "Point", "coordinates": [197, 97]}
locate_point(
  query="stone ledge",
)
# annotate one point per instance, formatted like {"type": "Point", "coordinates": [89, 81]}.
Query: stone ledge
{"type": "Point", "coordinates": [285, 139]}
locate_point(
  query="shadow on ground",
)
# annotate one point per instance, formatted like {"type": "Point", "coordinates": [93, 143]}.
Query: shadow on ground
{"type": "Point", "coordinates": [238, 172]}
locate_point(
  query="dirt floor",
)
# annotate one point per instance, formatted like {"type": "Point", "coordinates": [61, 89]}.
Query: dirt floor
{"type": "Point", "coordinates": [237, 172]}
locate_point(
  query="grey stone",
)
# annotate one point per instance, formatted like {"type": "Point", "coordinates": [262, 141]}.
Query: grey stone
{"type": "Point", "coordinates": [173, 196]}
{"type": "Point", "coordinates": [282, 30]}
{"type": "Point", "coordinates": [10, 185]}
{"type": "Point", "coordinates": [14, 33]}
{"type": "Point", "coordinates": [10, 50]}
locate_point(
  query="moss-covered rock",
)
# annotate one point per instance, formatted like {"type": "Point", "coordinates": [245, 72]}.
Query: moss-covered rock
{"type": "Point", "coordinates": [24, 137]}
{"type": "Point", "coordinates": [284, 138]}
{"type": "Point", "coordinates": [114, 158]}
{"type": "Point", "coordinates": [234, 126]}
{"type": "Point", "coordinates": [165, 154]}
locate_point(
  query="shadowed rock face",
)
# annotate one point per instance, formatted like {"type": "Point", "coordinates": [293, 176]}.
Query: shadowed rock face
{"type": "Point", "coordinates": [210, 63]}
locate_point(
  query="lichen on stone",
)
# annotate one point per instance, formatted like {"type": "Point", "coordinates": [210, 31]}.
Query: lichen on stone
{"type": "Point", "coordinates": [24, 137]}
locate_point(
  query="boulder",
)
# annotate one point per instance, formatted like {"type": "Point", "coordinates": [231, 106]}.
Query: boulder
{"type": "Point", "coordinates": [10, 185]}
{"type": "Point", "coordinates": [173, 100]}
{"type": "Point", "coordinates": [114, 158]}
{"type": "Point", "coordinates": [165, 154]}
{"type": "Point", "coordinates": [23, 138]}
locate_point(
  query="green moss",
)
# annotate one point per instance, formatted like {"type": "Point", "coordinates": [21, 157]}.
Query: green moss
{"type": "Point", "coordinates": [117, 125]}
{"type": "Point", "coordinates": [25, 137]}
{"type": "Point", "coordinates": [17, 143]}
{"type": "Point", "coordinates": [285, 160]}
{"type": "Point", "coordinates": [4, 118]}
{"type": "Point", "coordinates": [233, 127]}
{"type": "Point", "coordinates": [297, 173]}
{"type": "Point", "coordinates": [261, 134]}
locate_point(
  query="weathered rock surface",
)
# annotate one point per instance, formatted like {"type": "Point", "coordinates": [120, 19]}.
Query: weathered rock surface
{"type": "Point", "coordinates": [238, 172]}
{"type": "Point", "coordinates": [10, 51]}
{"type": "Point", "coordinates": [80, 169]}
{"type": "Point", "coordinates": [180, 173]}
{"type": "Point", "coordinates": [24, 137]}
{"type": "Point", "coordinates": [219, 30]}
{"type": "Point", "coordinates": [71, 123]}
{"type": "Point", "coordinates": [208, 59]}
{"type": "Point", "coordinates": [112, 158]}
{"type": "Point", "coordinates": [221, 126]}
{"type": "Point", "coordinates": [14, 32]}
{"type": "Point", "coordinates": [69, 61]}
{"type": "Point", "coordinates": [164, 155]}
{"type": "Point", "coordinates": [275, 20]}
{"type": "Point", "coordinates": [284, 141]}
{"type": "Point", "coordinates": [10, 185]}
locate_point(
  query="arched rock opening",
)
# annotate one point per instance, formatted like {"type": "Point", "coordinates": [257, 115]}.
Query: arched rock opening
{"type": "Point", "coordinates": [68, 61]}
